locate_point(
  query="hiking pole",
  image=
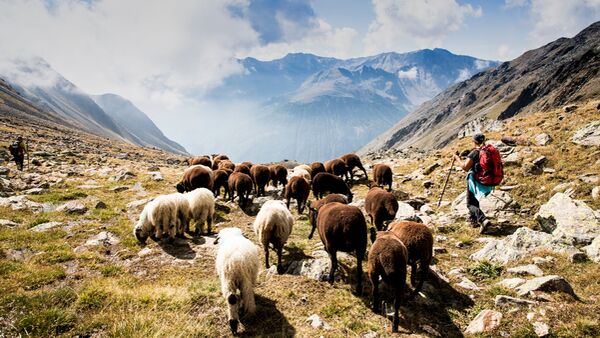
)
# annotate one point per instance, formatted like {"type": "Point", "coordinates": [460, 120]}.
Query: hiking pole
{"type": "Point", "coordinates": [27, 152]}
{"type": "Point", "coordinates": [446, 183]}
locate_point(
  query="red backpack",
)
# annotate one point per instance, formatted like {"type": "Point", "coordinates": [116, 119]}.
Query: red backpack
{"type": "Point", "coordinates": [490, 164]}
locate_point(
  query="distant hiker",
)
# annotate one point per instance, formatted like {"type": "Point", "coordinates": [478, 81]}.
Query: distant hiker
{"type": "Point", "coordinates": [18, 149]}
{"type": "Point", "coordinates": [484, 167]}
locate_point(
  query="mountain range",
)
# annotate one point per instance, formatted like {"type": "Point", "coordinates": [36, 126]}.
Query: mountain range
{"type": "Point", "coordinates": [561, 72]}
{"type": "Point", "coordinates": [312, 108]}
{"type": "Point", "coordinates": [58, 100]}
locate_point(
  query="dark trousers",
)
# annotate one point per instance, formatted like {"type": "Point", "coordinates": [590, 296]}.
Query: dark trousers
{"type": "Point", "coordinates": [19, 161]}
{"type": "Point", "coordinates": [473, 204]}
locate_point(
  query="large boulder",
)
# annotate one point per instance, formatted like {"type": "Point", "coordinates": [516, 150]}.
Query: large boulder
{"type": "Point", "coordinates": [521, 244]}
{"type": "Point", "coordinates": [22, 203]}
{"type": "Point", "coordinates": [570, 219]}
{"type": "Point", "coordinates": [547, 283]}
{"type": "Point", "coordinates": [72, 207]}
{"type": "Point", "coordinates": [485, 321]}
{"type": "Point", "coordinates": [588, 135]}
{"type": "Point", "coordinates": [406, 213]}
{"type": "Point", "coordinates": [496, 204]}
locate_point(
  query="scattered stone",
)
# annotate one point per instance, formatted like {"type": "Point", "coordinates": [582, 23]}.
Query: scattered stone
{"type": "Point", "coordinates": [541, 296]}
{"type": "Point", "coordinates": [493, 205]}
{"type": "Point", "coordinates": [153, 168]}
{"type": "Point", "coordinates": [4, 171]}
{"type": "Point", "coordinates": [42, 154]}
{"type": "Point", "coordinates": [103, 238]}
{"type": "Point", "coordinates": [406, 212]}
{"type": "Point", "coordinates": [520, 244]}
{"type": "Point", "coordinates": [46, 226]}
{"type": "Point", "coordinates": [588, 135]}
{"type": "Point", "coordinates": [485, 321]}
{"type": "Point", "coordinates": [511, 283]}
{"type": "Point", "coordinates": [430, 168]}
{"type": "Point", "coordinates": [512, 159]}
{"type": "Point", "coordinates": [593, 250]}
{"type": "Point", "coordinates": [541, 329]}
{"type": "Point", "coordinates": [543, 139]}
{"type": "Point", "coordinates": [596, 193]}
{"type": "Point", "coordinates": [89, 186]}
{"type": "Point", "coordinates": [529, 169]}
{"type": "Point", "coordinates": [549, 171]}
{"type": "Point", "coordinates": [370, 334]}
{"type": "Point", "coordinates": [427, 184]}
{"type": "Point", "coordinates": [36, 162]}
{"type": "Point", "coordinates": [502, 300]}
{"type": "Point", "coordinates": [547, 283]}
{"type": "Point", "coordinates": [468, 284]}
{"type": "Point", "coordinates": [317, 323]}
{"type": "Point", "coordinates": [145, 252]}
{"type": "Point", "coordinates": [540, 161]}
{"type": "Point", "coordinates": [72, 207]}
{"type": "Point", "coordinates": [156, 176]}
{"type": "Point", "coordinates": [400, 195]}
{"type": "Point", "coordinates": [543, 260]}
{"type": "Point", "coordinates": [427, 209]}
{"type": "Point", "coordinates": [119, 188]}
{"type": "Point", "coordinates": [441, 239]}
{"type": "Point", "coordinates": [7, 223]}
{"type": "Point", "coordinates": [34, 191]}
{"type": "Point", "coordinates": [570, 108]}
{"type": "Point", "coordinates": [439, 250]}
{"type": "Point", "coordinates": [22, 203]}
{"type": "Point", "coordinates": [530, 269]}
{"type": "Point", "coordinates": [570, 219]}
{"type": "Point", "coordinates": [100, 205]}
{"type": "Point", "coordinates": [578, 257]}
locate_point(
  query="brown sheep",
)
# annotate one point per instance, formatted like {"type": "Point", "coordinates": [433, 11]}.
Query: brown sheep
{"type": "Point", "coordinates": [353, 161]}
{"type": "Point", "coordinates": [298, 189]}
{"type": "Point", "coordinates": [313, 208]}
{"type": "Point", "coordinates": [316, 167]}
{"type": "Point", "coordinates": [242, 168]}
{"type": "Point", "coordinates": [387, 258]}
{"type": "Point", "coordinates": [382, 175]}
{"type": "Point", "coordinates": [196, 176]}
{"type": "Point", "coordinates": [336, 167]}
{"type": "Point", "coordinates": [260, 175]}
{"type": "Point", "coordinates": [343, 228]}
{"type": "Point", "coordinates": [242, 184]}
{"type": "Point", "coordinates": [247, 164]}
{"type": "Point", "coordinates": [278, 175]}
{"type": "Point", "coordinates": [220, 180]}
{"type": "Point", "coordinates": [218, 159]}
{"type": "Point", "coordinates": [419, 241]}
{"type": "Point", "coordinates": [381, 206]}
{"type": "Point", "coordinates": [204, 160]}
{"type": "Point", "coordinates": [326, 182]}
{"type": "Point", "coordinates": [226, 164]}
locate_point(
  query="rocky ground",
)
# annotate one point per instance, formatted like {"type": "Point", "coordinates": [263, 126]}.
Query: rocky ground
{"type": "Point", "coordinates": [70, 265]}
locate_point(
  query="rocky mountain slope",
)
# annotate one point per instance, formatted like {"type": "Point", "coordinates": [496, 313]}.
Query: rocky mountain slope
{"type": "Point", "coordinates": [566, 70]}
{"type": "Point", "coordinates": [313, 108]}
{"type": "Point", "coordinates": [70, 265]}
{"type": "Point", "coordinates": [61, 100]}
{"type": "Point", "coordinates": [136, 123]}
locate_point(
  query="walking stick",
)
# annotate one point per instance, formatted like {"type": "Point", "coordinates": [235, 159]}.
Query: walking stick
{"type": "Point", "coordinates": [446, 183]}
{"type": "Point", "coordinates": [27, 152]}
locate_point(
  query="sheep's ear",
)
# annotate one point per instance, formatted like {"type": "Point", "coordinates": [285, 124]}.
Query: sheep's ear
{"type": "Point", "coordinates": [232, 299]}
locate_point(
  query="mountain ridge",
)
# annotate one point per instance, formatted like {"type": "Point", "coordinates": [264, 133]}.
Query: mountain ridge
{"type": "Point", "coordinates": [558, 73]}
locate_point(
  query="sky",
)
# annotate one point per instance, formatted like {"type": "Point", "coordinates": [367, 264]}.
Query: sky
{"type": "Point", "coordinates": [164, 55]}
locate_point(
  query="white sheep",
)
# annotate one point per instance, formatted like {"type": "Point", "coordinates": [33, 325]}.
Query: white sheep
{"type": "Point", "coordinates": [273, 225]}
{"type": "Point", "coordinates": [202, 207]}
{"type": "Point", "coordinates": [237, 264]}
{"type": "Point", "coordinates": [301, 172]}
{"type": "Point", "coordinates": [165, 215]}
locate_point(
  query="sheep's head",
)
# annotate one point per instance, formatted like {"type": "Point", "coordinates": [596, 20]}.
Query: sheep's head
{"type": "Point", "coordinates": [180, 188]}
{"type": "Point", "coordinates": [233, 304]}
{"type": "Point", "coordinates": [139, 234]}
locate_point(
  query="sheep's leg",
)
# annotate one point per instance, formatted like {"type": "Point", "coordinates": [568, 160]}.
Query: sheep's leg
{"type": "Point", "coordinates": [397, 300]}
{"type": "Point", "coordinates": [334, 263]}
{"type": "Point", "coordinates": [312, 231]}
{"type": "Point", "coordinates": [413, 274]}
{"type": "Point", "coordinates": [266, 255]}
{"type": "Point", "coordinates": [375, 282]}
{"type": "Point", "coordinates": [359, 273]}
{"type": "Point", "coordinates": [423, 271]}
{"type": "Point", "coordinates": [390, 186]}
{"type": "Point", "coordinates": [279, 263]}
{"type": "Point", "coordinates": [364, 171]}
{"type": "Point", "coordinates": [300, 206]}
{"type": "Point", "coordinates": [371, 218]}
{"type": "Point", "coordinates": [209, 222]}
{"type": "Point", "coordinates": [287, 203]}
{"type": "Point", "coordinates": [247, 292]}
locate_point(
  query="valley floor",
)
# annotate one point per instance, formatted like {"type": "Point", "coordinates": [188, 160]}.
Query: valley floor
{"type": "Point", "coordinates": [78, 271]}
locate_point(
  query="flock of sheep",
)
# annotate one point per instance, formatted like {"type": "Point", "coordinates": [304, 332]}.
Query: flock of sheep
{"type": "Point", "coordinates": [341, 227]}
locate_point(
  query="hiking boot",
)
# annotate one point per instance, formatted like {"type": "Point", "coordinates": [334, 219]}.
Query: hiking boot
{"type": "Point", "coordinates": [473, 223]}
{"type": "Point", "coordinates": [484, 226]}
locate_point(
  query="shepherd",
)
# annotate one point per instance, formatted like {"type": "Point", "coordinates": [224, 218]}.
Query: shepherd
{"type": "Point", "coordinates": [18, 149]}
{"type": "Point", "coordinates": [484, 171]}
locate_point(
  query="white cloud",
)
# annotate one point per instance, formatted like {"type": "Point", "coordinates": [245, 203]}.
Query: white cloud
{"type": "Point", "coordinates": [504, 52]}
{"type": "Point", "coordinates": [408, 74]}
{"type": "Point", "coordinates": [558, 18]}
{"type": "Point", "coordinates": [322, 39]}
{"type": "Point", "coordinates": [402, 25]}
